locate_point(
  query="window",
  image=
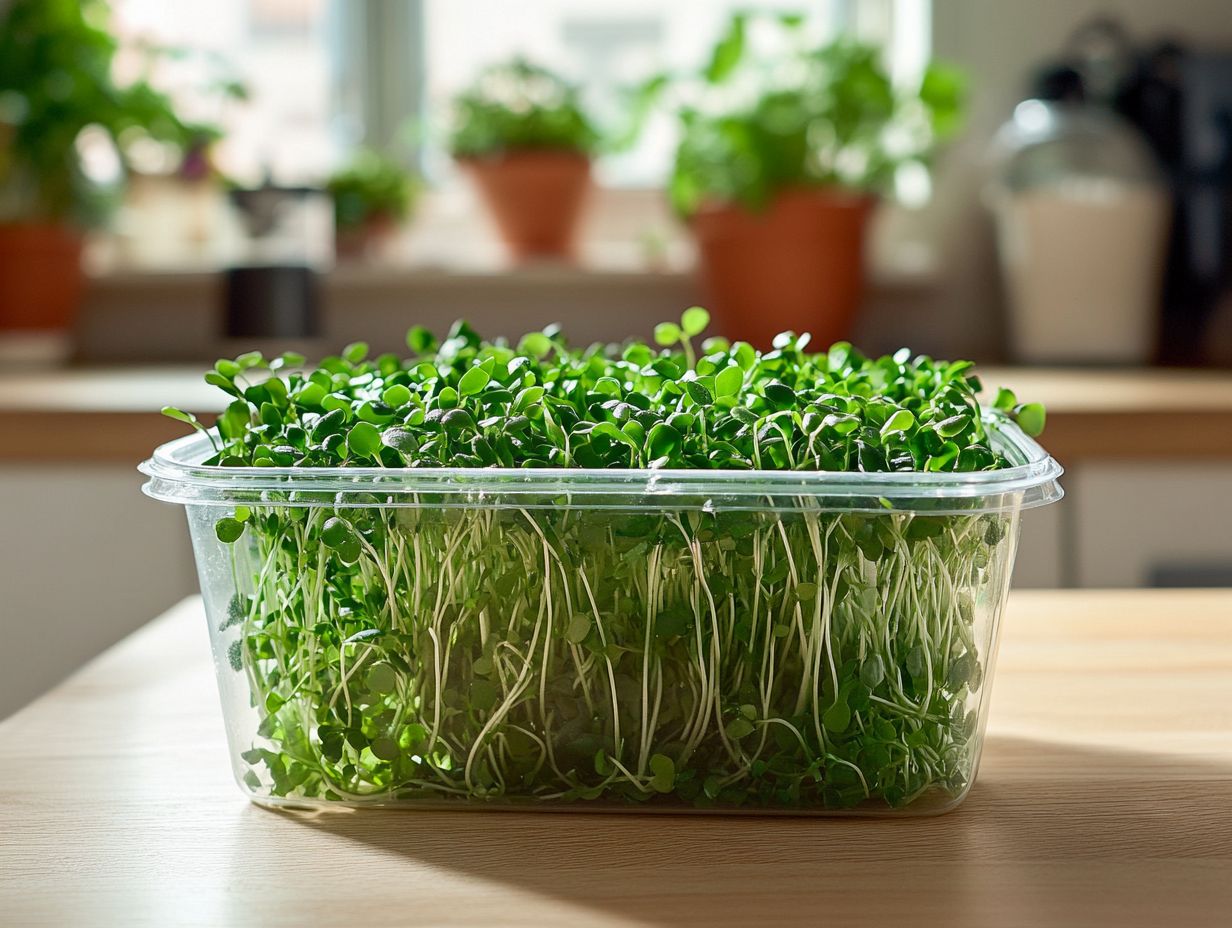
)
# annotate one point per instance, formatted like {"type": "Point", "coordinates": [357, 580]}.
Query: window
{"type": "Point", "coordinates": [310, 66]}
{"type": "Point", "coordinates": [284, 52]}
{"type": "Point", "coordinates": [606, 45]}
{"type": "Point", "coordinates": [324, 76]}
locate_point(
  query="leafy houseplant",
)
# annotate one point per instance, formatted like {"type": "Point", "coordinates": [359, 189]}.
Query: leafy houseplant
{"type": "Point", "coordinates": [619, 576]}
{"type": "Point", "coordinates": [55, 81]}
{"type": "Point", "coordinates": [783, 153]}
{"type": "Point", "coordinates": [372, 195]}
{"type": "Point", "coordinates": [522, 134]}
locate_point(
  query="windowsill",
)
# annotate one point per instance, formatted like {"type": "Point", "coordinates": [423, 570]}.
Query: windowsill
{"type": "Point", "coordinates": [627, 234]}
{"type": "Point", "coordinates": [360, 275]}
{"type": "Point", "coordinates": [449, 265]}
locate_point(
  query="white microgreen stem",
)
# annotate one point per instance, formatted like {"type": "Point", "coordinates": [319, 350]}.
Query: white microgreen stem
{"type": "Point", "coordinates": [781, 669]}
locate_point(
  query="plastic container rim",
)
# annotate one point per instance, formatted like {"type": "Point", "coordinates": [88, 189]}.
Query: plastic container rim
{"type": "Point", "coordinates": [177, 477]}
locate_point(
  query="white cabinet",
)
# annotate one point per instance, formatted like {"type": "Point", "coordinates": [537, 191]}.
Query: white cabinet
{"type": "Point", "coordinates": [85, 559]}
{"type": "Point", "coordinates": [1041, 547]}
{"type": "Point", "coordinates": [1147, 524]}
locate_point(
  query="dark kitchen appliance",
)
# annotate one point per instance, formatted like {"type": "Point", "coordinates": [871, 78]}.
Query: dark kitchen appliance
{"type": "Point", "coordinates": [271, 290]}
{"type": "Point", "coordinates": [1182, 102]}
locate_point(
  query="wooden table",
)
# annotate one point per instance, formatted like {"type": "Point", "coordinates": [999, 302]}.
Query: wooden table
{"type": "Point", "coordinates": [1105, 798]}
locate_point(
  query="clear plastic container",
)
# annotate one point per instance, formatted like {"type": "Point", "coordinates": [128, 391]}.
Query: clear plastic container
{"type": "Point", "coordinates": [605, 639]}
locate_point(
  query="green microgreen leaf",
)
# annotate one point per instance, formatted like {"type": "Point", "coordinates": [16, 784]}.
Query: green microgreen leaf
{"type": "Point", "coordinates": [473, 381]}
{"type": "Point", "coordinates": [1005, 400]}
{"type": "Point", "coordinates": [180, 416]}
{"type": "Point", "coordinates": [664, 770]}
{"type": "Point", "coordinates": [355, 352]}
{"type": "Point", "coordinates": [420, 340]}
{"type": "Point", "coordinates": [250, 359]}
{"type": "Point", "coordinates": [900, 421]}
{"type": "Point", "coordinates": [739, 728]}
{"type": "Point", "coordinates": [694, 321]}
{"type": "Point", "coordinates": [728, 381]}
{"type": "Point", "coordinates": [666, 334]}
{"type": "Point", "coordinates": [364, 439]}
{"type": "Point", "coordinates": [535, 344]}
{"type": "Point", "coordinates": [779, 395]}
{"type": "Point", "coordinates": [699, 394]}
{"type": "Point", "coordinates": [396, 396]}
{"type": "Point", "coordinates": [837, 718]}
{"type": "Point", "coordinates": [228, 530]}
{"type": "Point", "coordinates": [579, 628]}
{"type": "Point", "coordinates": [1030, 418]}
{"type": "Point", "coordinates": [338, 534]}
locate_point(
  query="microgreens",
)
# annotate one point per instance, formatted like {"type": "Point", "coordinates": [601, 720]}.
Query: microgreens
{"type": "Point", "coordinates": [730, 653]}
{"type": "Point", "coordinates": [469, 403]}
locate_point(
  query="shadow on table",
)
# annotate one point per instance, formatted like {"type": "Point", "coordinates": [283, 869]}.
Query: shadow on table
{"type": "Point", "coordinates": [1051, 834]}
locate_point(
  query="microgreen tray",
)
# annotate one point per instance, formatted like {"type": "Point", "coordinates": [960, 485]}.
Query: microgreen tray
{"type": "Point", "coordinates": [646, 639]}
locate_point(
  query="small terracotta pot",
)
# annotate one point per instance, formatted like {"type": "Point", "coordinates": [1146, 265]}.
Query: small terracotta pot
{"type": "Point", "coordinates": [797, 266]}
{"type": "Point", "coordinates": [41, 280]}
{"type": "Point", "coordinates": [370, 239]}
{"type": "Point", "coordinates": [536, 198]}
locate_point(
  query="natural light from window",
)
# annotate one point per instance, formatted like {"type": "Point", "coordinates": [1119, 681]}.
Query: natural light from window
{"type": "Point", "coordinates": [283, 51]}
{"type": "Point", "coordinates": [607, 46]}
{"type": "Point", "coordinates": [293, 55]}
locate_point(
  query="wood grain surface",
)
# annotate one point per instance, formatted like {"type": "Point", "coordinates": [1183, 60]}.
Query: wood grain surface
{"type": "Point", "coordinates": [1104, 798]}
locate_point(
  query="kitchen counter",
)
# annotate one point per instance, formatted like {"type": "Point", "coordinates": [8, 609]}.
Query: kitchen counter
{"type": "Point", "coordinates": [111, 414]}
{"type": "Point", "coordinates": [1104, 798]}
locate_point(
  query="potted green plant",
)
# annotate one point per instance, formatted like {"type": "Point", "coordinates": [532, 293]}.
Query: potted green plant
{"type": "Point", "coordinates": [55, 82]}
{"type": "Point", "coordinates": [782, 157]}
{"type": "Point", "coordinates": [373, 195]}
{"type": "Point", "coordinates": [521, 133]}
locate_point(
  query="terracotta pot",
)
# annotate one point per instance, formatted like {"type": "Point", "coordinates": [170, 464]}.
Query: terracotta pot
{"type": "Point", "coordinates": [41, 281]}
{"type": "Point", "coordinates": [536, 198]}
{"type": "Point", "coordinates": [797, 266]}
{"type": "Point", "coordinates": [370, 239]}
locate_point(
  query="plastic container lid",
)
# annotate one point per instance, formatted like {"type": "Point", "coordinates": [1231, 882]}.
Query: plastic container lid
{"type": "Point", "coordinates": [177, 476]}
